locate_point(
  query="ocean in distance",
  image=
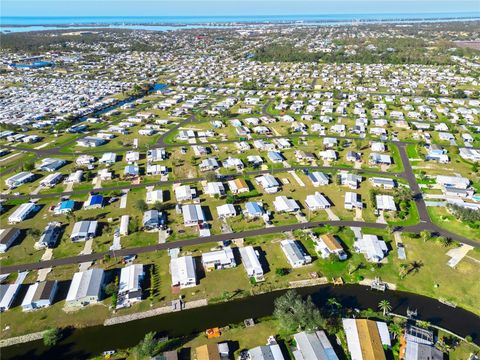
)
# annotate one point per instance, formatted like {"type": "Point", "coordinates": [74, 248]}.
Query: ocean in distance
{"type": "Point", "coordinates": [164, 23]}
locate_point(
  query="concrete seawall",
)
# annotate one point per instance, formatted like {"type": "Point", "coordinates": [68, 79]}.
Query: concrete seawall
{"type": "Point", "coordinates": [153, 312]}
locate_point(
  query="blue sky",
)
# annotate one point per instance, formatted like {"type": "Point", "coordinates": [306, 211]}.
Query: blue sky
{"type": "Point", "coordinates": [228, 7]}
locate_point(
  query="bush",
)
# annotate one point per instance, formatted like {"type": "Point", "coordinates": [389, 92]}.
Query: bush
{"type": "Point", "coordinates": [52, 336]}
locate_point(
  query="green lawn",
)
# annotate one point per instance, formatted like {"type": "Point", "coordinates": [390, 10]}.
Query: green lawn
{"type": "Point", "coordinates": [444, 219]}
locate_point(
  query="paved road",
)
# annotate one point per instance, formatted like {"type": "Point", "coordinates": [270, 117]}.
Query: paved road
{"type": "Point", "coordinates": [216, 238]}
{"type": "Point", "coordinates": [196, 241]}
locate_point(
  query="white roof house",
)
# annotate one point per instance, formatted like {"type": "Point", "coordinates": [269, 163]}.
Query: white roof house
{"type": "Point", "coordinates": [154, 196]}
{"type": "Point", "coordinates": [385, 202]}
{"type": "Point", "coordinates": [8, 292]}
{"type": "Point", "coordinates": [74, 178]}
{"type": "Point", "coordinates": [84, 230]}
{"type": "Point", "coordinates": [458, 182]}
{"type": "Point", "coordinates": [85, 288]}
{"type": "Point", "coordinates": [266, 352]}
{"type": "Point", "coordinates": [184, 193]}
{"type": "Point", "coordinates": [295, 253]}
{"type": "Point", "coordinates": [22, 212]}
{"type": "Point", "coordinates": [251, 263]}
{"type": "Point", "coordinates": [108, 158]}
{"type": "Point", "coordinates": [19, 179]}
{"type": "Point", "coordinates": [318, 178]}
{"type": "Point", "coordinates": [317, 201]}
{"type": "Point", "coordinates": [182, 270]}
{"type": "Point", "coordinates": [352, 200]}
{"type": "Point", "coordinates": [226, 210]}
{"type": "Point", "coordinates": [268, 183]}
{"type": "Point", "coordinates": [284, 204]}
{"type": "Point", "coordinates": [132, 156]}
{"type": "Point", "coordinates": [215, 188]}
{"type": "Point", "coordinates": [192, 215]}
{"type": "Point", "coordinates": [313, 346]}
{"type": "Point", "coordinates": [129, 285]}
{"type": "Point", "coordinates": [373, 248]}
{"type": "Point", "coordinates": [51, 180]}
{"type": "Point", "coordinates": [366, 338]}
{"type": "Point", "coordinates": [219, 259]}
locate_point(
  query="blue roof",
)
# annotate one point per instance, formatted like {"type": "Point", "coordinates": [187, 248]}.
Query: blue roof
{"type": "Point", "coordinates": [67, 204]}
{"type": "Point", "coordinates": [253, 208]}
{"type": "Point", "coordinates": [96, 200]}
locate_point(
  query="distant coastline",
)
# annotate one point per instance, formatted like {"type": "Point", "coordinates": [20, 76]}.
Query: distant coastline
{"type": "Point", "coordinates": [165, 23]}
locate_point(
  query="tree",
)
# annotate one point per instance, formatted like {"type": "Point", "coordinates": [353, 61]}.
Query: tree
{"type": "Point", "coordinates": [112, 287]}
{"type": "Point", "coordinates": [294, 313]}
{"type": "Point", "coordinates": [425, 235]}
{"type": "Point", "coordinates": [446, 242]}
{"type": "Point", "coordinates": [334, 304]}
{"type": "Point", "coordinates": [28, 165]}
{"type": "Point", "coordinates": [423, 324]}
{"type": "Point", "coordinates": [147, 347]}
{"type": "Point", "coordinates": [52, 336]}
{"type": "Point", "coordinates": [385, 306]}
{"type": "Point", "coordinates": [141, 205]}
{"type": "Point", "coordinates": [281, 271]}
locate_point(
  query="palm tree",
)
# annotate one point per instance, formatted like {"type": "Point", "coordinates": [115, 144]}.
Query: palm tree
{"type": "Point", "coordinates": [385, 306]}
{"type": "Point", "coordinates": [333, 304]}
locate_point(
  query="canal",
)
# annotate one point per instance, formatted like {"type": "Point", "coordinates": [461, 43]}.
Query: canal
{"type": "Point", "coordinates": [91, 341]}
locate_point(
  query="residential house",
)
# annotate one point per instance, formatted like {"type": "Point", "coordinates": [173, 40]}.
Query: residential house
{"type": "Point", "coordinates": [8, 237]}
{"type": "Point", "coordinates": [385, 203]}
{"type": "Point", "coordinates": [373, 248]}
{"type": "Point", "coordinates": [318, 178]}
{"type": "Point", "coordinates": [352, 201]}
{"type": "Point", "coordinates": [295, 253]}
{"type": "Point", "coordinates": [153, 220]}
{"type": "Point", "coordinates": [8, 293]}
{"type": "Point", "coordinates": [317, 202]}
{"type": "Point", "coordinates": [238, 186]}
{"type": "Point", "coordinates": [193, 215]}
{"type": "Point", "coordinates": [84, 230]}
{"type": "Point", "coordinates": [313, 346]}
{"type": "Point", "coordinates": [184, 193]}
{"type": "Point", "coordinates": [39, 295]}
{"type": "Point", "coordinates": [85, 288]}
{"type": "Point", "coordinates": [19, 179]}
{"type": "Point", "coordinates": [268, 183]}
{"type": "Point", "coordinates": [130, 285]}
{"type": "Point", "coordinates": [24, 211]}
{"type": "Point", "coordinates": [182, 270]}
{"type": "Point", "coordinates": [215, 189]}
{"type": "Point", "coordinates": [366, 338]}
{"type": "Point", "coordinates": [284, 204]}
{"type": "Point", "coordinates": [219, 259]}
{"type": "Point", "coordinates": [327, 245]}
{"type": "Point", "coordinates": [50, 236]}
{"type": "Point", "coordinates": [226, 211]}
{"type": "Point", "coordinates": [251, 263]}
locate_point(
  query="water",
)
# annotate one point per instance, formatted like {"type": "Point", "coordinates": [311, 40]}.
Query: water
{"type": "Point", "coordinates": [164, 23]}
{"type": "Point", "coordinates": [87, 342]}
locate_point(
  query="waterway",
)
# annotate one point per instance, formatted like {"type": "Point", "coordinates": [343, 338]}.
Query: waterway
{"type": "Point", "coordinates": [171, 23]}
{"type": "Point", "coordinates": [91, 341]}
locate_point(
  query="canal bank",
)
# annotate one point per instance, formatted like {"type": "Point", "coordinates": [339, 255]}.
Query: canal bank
{"type": "Point", "coordinates": [88, 342]}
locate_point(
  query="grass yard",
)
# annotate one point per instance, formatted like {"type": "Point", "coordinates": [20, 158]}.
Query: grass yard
{"type": "Point", "coordinates": [441, 217]}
